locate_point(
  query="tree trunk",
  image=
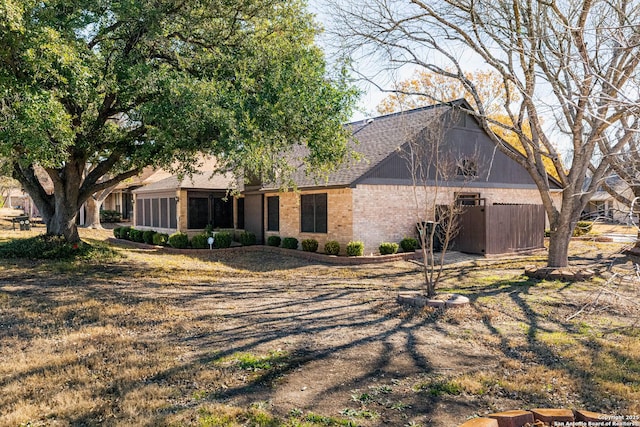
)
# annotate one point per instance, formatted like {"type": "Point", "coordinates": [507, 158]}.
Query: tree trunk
{"type": "Point", "coordinates": [92, 220]}
{"type": "Point", "coordinates": [63, 221]}
{"type": "Point", "coordinates": [559, 249]}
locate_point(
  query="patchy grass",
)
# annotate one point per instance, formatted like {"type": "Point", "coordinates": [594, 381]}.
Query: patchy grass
{"type": "Point", "coordinates": [147, 337]}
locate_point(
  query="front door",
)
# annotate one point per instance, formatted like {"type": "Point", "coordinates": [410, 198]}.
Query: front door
{"type": "Point", "coordinates": [209, 209]}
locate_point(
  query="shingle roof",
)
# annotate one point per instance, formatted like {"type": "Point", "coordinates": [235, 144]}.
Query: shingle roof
{"type": "Point", "coordinates": [375, 139]}
{"type": "Point", "coordinates": [204, 179]}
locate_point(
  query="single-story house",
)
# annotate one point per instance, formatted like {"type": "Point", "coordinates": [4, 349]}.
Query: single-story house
{"type": "Point", "coordinates": [189, 204]}
{"type": "Point", "coordinates": [370, 198]}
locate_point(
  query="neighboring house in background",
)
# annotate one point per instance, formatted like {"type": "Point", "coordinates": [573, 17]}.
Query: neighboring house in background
{"type": "Point", "coordinates": [19, 199]}
{"type": "Point", "coordinates": [372, 200]}
{"type": "Point", "coordinates": [603, 206]}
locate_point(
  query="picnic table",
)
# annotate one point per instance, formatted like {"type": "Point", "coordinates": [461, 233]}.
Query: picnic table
{"type": "Point", "coordinates": [23, 220]}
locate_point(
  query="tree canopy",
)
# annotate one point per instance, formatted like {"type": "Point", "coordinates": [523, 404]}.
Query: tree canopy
{"type": "Point", "coordinates": [119, 85]}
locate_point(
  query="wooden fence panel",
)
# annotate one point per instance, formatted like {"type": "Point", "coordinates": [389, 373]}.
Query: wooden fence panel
{"type": "Point", "coordinates": [500, 229]}
{"type": "Point", "coordinates": [471, 236]}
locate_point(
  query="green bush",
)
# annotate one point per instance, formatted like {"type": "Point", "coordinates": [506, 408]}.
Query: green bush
{"type": "Point", "coordinates": [160, 239]}
{"type": "Point", "coordinates": [178, 240]}
{"type": "Point", "coordinates": [355, 248]}
{"type": "Point", "coordinates": [222, 240]}
{"type": "Point", "coordinates": [55, 248]}
{"type": "Point", "coordinates": [332, 247]}
{"type": "Point", "coordinates": [310, 245]}
{"type": "Point", "coordinates": [387, 248]}
{"type": "Point", "coordinates": [199, 241]}
{"type": "Point", "coordinates": [409, 244]}
{"type": "Point", "coordinates": [290, 243]}
{"type": "Point", "coordinates": [274, 241]}
{"type": "Point", "coordinates": [147, 236]}
{"type": "Point", "coordinates": [125, 233]}
{"type": "Point", "coordinates": [110, 216]}
{"type": "Point", "coordinates": [137, 235]}
{"type": "Point", "coordinates": [247, 238]}
{"type": "Point", "coordinates": [116, 232]}
{"type": "Point", "coordinates": [582, 228]}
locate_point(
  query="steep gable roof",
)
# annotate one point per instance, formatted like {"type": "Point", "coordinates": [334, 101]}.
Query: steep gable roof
{"type": "Point", "coordinates": [373, 140]}
{"type": "Point", "coordinates": [378, 140]}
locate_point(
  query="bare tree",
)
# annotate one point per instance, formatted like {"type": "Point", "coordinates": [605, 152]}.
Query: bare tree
{"type": "Point", "coordinates": [570, 64]}
{"type": "Point", "coordinates": [438, 172]}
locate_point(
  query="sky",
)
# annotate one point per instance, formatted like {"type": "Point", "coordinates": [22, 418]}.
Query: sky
{"type": "Point", "coordinates": [371, 96]}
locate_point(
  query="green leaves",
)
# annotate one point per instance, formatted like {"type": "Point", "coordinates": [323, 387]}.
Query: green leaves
{"type": "Point", "coordinates": [153, 83]}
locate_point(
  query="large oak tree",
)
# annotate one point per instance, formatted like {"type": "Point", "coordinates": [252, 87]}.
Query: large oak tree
{"type": "Point", "coordinates": [570, 72]}
{"type": "Point", "coordinates": [91, 91]}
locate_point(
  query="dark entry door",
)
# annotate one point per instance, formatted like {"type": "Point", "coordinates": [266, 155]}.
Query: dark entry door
{"type": "Point", "coordinates": [222, 212]}
{"type": "Point", "coordinates": [127, 205]}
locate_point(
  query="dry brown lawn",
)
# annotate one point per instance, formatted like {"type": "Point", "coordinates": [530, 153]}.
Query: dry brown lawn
{"type": "Point", "coordinates": [224, 339]}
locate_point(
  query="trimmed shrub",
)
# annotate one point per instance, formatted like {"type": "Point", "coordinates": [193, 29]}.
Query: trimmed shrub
{"type": "Point", "coordinates": [582, 228]}
{"type": "Point", "coordinates": [355, 248]}
{"type": "Point", "coordinates": [178, 240]}
{"type": "Point", "coordinates": [332, 247]}
{"type": "Point", "coordinates": [222, 240]}
{"type": "Point", "coordinates": [125, 233]}
{"type": "Point", "coordinates": [116, 232]}
{"type": "Point", "coordinates": [274, 241]}
{"type": "Point", "coordinates": [290, 243]}
{"type": "Point", "coordinates": [310, 245]}
{"type": "Point", "coordinates": [110, 216]}
{"type": "Point", "coordinates": [55, 247]}
{"type": "Point", "coordinates": [160, 239]}
{"type": "Point", "coordinates": [199, 241]}
{"type": "Point", "coordinates": [147, 236]}
{"type": "Point", "coordinates": [387, 248]}
{"type": "Point", "coordinates": [247, 238]}
{"type": "Point", "coordinates": [409, 244]}
{"type": "Point", "coordinates": [137, 235]}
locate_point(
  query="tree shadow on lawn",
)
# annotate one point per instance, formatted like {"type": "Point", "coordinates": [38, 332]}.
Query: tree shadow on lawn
{"type": "Point", "coordinates": [573, 359]}
{"type": "Point", "coordinates": [133, 338]}
{"type": "Point", "coordinates": [334, 341]}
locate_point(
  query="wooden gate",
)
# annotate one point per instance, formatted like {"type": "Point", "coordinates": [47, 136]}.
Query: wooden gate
{"type": "Point", "coordinates": [500, 229]}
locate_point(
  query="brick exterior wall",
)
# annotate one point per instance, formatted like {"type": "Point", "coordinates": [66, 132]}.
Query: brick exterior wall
{"type": "Point", "coordinates": [183, 202]}
{"type": "Point", "coordinates": [339, 217]}
{"type": "Point", "coordinates": [388, 213]}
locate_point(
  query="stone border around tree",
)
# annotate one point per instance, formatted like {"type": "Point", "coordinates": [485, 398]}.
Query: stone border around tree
{"type": "Point", "coordinates": [419, 300]}
{"type": "Point", "coordinates": [567, 274]}
{"type": "Point", "coordinates": [542, 417]}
